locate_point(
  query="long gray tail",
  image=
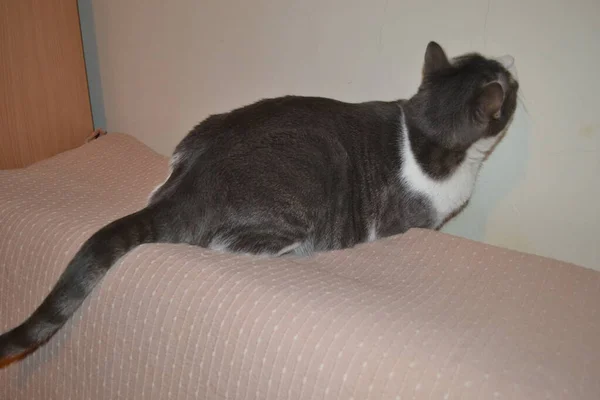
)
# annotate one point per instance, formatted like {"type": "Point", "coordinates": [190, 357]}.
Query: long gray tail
{"type": "Point", "coordinates": [93, 260]}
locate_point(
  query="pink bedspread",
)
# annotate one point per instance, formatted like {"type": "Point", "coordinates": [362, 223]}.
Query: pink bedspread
{"type": "Point", "coordinates": [418, 316]}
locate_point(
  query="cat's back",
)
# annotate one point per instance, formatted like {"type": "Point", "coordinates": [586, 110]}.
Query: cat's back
{"type": "Point", "coordinates": [291, 119]}
{"type": "Point", "coordinates": [299, 127]}
{"type": "Point", "coordinates": [298, 112]}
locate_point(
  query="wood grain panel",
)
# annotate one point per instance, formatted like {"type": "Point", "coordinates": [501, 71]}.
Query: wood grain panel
{"type": "Point", "coordinates": [44, 102]}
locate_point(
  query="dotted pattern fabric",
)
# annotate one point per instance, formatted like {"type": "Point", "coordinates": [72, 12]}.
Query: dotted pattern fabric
{"type": "Point", "coordinates": [422, 315]}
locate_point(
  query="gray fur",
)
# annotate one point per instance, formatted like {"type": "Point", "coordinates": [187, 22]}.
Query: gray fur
{"type": "Point", "coordinates": [295, 175]}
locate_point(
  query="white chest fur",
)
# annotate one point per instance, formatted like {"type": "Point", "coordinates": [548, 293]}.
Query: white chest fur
{"type": "Point", "coordinates": [447, 195]}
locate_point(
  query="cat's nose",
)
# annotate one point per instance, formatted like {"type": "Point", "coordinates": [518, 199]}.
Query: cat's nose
{"type": "Point", "coordinates": [508, 62]}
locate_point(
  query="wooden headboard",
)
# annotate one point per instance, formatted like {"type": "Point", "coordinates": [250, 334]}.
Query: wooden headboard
{"type": "Point", "coordinates": [44, 99]}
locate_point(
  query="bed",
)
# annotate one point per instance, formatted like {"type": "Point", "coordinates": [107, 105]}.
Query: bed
{"type": "Point", "coordinates": [423, 315]}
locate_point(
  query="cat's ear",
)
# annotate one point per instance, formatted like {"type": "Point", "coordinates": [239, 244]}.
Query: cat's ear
{"type": "Point", "coordinates": [489, 102]}
{"type": "Point", "coordinates": [435, 58]}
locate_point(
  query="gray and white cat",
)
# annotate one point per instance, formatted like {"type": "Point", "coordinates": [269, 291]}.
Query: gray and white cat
{"type": "Point", "coordinates": [296, 175]}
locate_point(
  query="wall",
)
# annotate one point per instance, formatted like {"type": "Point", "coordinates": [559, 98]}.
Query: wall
{"type": "Point", "coordinates": [90, 53]}
{"type": "Point", "coordinates": [165, 67]}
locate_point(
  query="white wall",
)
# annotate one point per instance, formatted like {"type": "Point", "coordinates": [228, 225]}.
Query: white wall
{"type": "Point", "coordinates": [165, 66]}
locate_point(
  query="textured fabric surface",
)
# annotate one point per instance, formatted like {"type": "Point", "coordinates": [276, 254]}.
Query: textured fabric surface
{"type": "Point", "coordinates": [418, 316]}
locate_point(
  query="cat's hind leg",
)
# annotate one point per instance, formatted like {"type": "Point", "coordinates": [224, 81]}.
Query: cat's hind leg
{"type": "Point", "coordinates": [253, 241]}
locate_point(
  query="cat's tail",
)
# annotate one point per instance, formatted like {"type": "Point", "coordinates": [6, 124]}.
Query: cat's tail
{"type": "Point", "coordinates": [93, 260]}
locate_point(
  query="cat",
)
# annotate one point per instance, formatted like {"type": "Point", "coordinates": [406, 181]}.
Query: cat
{"type": "Point", "coordinates": [295, 175]}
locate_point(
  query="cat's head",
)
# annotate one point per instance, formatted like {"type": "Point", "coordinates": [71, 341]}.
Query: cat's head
{"type": "Point", "coordinates": [464, 99]}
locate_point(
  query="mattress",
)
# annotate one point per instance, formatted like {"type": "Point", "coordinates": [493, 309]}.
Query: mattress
{"type": "Point", "coordinates": [422, 315]}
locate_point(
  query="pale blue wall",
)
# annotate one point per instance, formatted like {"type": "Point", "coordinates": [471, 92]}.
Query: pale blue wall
{"type": "Point", "coordinates": [90, 51]}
